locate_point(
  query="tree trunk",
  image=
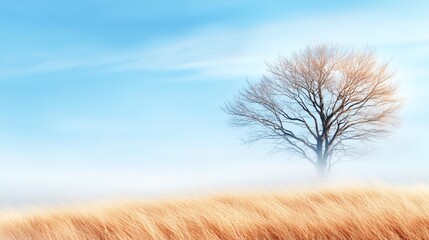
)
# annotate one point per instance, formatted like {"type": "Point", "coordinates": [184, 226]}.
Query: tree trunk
{"type": "Point", "coordinates": [321, 167]}
{"type": "Point", "coordinates": [322, 172]}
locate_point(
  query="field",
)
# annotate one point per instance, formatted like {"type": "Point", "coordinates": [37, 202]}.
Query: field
{"type": "Point", "coordinates": [324, 213]}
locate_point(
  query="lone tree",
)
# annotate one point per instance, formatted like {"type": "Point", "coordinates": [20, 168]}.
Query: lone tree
{"type": "Point", "coordinates": [318, 102]}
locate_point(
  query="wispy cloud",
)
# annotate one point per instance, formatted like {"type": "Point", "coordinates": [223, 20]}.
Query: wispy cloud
{"type": "Point", "coordinates": [225, 53]}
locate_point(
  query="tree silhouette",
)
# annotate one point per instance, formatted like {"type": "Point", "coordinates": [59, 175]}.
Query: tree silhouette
{"type": "Point", "coordinates": [318, 102]}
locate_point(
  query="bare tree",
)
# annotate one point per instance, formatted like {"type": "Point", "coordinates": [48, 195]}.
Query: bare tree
{"type": "Point", "coordinates": [318, 102]}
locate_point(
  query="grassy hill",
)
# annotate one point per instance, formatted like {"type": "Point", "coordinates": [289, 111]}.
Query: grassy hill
{"type": "Point", "coordinates": [327, 213]}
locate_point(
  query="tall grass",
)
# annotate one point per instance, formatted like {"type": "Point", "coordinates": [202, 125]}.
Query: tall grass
{"type": "Point", "coordinates": [330, 213]}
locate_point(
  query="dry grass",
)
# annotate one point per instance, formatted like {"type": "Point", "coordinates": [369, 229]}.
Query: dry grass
{"type": "Point", "coordinates": [329, 213]}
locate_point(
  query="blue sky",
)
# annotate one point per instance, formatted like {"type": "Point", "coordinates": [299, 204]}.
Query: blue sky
{"type": "Point", "coordinates": [109, 96]}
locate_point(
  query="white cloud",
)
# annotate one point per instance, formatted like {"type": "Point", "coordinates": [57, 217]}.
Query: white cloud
{"type": "Point", "coordinates": [225, 53]}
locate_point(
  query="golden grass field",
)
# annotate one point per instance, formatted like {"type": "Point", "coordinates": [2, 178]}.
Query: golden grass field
{"type": "Point", "coordinates": [326, 213]}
